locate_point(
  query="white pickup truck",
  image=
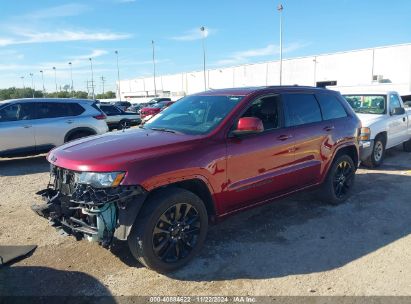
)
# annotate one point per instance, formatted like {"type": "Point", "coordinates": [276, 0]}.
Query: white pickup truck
{"type": "Point", "coordinates": [385, 123]}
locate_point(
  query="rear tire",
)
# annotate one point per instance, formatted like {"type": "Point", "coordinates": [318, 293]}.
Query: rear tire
{"type": "Point", "coordinates": [339, 182]}
{"type": "Point", "coordinates": [170, 230]}
{"type": "Point", "coordinates": [124, 124]}
{"type": "Point", "coordinates": [377, 156]}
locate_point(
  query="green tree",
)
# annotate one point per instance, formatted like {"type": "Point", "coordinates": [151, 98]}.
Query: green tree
{"type": "Point", "coordinates": [106, 95]}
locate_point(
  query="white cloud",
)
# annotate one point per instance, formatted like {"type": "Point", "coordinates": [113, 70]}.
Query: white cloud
{"type": "Point", "coordinates": [27, 37]}
{"type": "Point", "coordinates": [193, 34]}
{"type": "Point", "coordinates": [269, 50]}
{"type": "Point", "coordinates": [93, 54]}
{"type": "Point", "coordinates": [65, 10]}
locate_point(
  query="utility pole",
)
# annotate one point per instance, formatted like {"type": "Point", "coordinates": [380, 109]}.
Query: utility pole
{"type": "Point", "coordinates": [92, 77]}
{"type": "Point", "coordinates": [154, 68]}
{"type": "Point", "coordinates": [118, 76]}
{"type": "Point", "coordinates": [280, 10]}
{"type": "Point", "coordinates": [42, 79]}
{"type": "Point", "coordinates": [55, 77]}
{"type": "Point", "coordinates": [71, 77]}
{"type": "Point", "coordinates": [203, 33]}
{"type": "Point", "coordinates": [103, 80]}
{"type": "Point", "coordinates": [32, 85]}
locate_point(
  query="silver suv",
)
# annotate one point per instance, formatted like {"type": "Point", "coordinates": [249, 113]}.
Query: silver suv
{"type": "Point", "coordinates": [33, 126]}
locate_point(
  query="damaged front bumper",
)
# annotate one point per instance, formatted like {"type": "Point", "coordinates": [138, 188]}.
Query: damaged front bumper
{"type": "Point", "coordinates": [97, 214]}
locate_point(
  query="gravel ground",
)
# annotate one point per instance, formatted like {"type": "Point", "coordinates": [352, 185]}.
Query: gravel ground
{"type": "Point", "coordinates": [295, 246]}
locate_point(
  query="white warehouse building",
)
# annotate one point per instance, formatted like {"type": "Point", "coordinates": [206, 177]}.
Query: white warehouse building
{"type": "Point", "coordinates": [385, 68]}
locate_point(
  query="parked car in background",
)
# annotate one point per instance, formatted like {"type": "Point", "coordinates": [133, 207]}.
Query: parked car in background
{"type": "Point", "coordinates": [136, 107]}
{"type": "Point", "coordinates": [155, 108]}
{"type": "Point", "coordinates": [119, 119]}
{"type": "Point", "coordinates": [33, 126]}
{"type": "Point", "coordinates": [208, 156]}
{"type": "Point", "coordinates": [386, 123]}
{"type": "Point", "coordinates": [123, 105]}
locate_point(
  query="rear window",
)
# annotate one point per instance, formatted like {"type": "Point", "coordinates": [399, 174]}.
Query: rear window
{"type": "Point", "coordinates": [301, 109]}
{"type": "Point", "coordinates": [331, 107]}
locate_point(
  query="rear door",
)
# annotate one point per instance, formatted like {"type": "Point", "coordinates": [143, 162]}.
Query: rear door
{"type": "Point", "coordinates": [55, 119]}
{"type": "Point", "coordinates": [258, 165]}
{"type": "Point", "coordinates": [16, 128]}
{"type": "Point", "coordinates": [311, 135]}
{"type": "Point", "coordinates": [397, 124]}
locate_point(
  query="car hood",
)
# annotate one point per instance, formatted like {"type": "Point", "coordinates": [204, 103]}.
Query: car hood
{"type": "Point", "coordinates": [369, 119]}
{"type": "Point", "coordinates": [116, 150]}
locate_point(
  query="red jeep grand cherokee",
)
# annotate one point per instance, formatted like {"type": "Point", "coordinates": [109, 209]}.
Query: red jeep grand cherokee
{"type": "Point", "coordinates": [204, 158]}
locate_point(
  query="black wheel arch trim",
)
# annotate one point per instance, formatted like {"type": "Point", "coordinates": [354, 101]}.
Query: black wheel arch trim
{"type": "Point", "coordinates": [80, 129]}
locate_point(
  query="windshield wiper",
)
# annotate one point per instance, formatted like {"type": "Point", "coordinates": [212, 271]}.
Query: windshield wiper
{"type": "Point", "coordinates": [163, 130]}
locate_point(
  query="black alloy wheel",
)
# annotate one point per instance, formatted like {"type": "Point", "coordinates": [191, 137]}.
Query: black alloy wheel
{"type": "Point", "coordinates": [176, 233]}
{"type": "Point", "coordinates": [343, 178]}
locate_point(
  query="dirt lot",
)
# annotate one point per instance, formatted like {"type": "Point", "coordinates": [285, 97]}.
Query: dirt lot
{"type": "Point", "coordinates": [295, 246]}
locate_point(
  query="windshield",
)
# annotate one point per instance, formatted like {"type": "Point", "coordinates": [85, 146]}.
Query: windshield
{"type": "Point", "coordinates": [368, 104]}
{"type": "Point", "coordinates": [195, 115]}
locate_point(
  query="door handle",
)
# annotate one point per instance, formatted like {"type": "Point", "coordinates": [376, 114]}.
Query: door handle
{"type": "Point", "coordinates": [27, 126]}
{"type": "Point", "coordinates": [284, 137]}
{"type": "Point", "coordinates": [329, 128]}
{"type": "Point", "coordinates": [69, 121]}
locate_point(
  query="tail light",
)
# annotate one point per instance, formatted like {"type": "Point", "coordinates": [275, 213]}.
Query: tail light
{"type": "Point", "coordinates": [100, 117]}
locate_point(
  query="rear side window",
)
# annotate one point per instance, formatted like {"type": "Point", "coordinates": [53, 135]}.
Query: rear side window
{"type": "Point", "coordinates": [301, 109]}
{"type": "Point", "coordinates": [55, 110]}
{"type": "Point", "coordinates": [331, 107]}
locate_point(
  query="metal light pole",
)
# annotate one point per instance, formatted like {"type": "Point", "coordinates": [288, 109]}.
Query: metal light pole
{"type": "Point", "coordinates": [42, 80]}
{"type": "Point", "coordinates": [71, 77]}
{"type": "Point", "coordinates": [154, 68]}
{"type": "Point", "coordinates": [32, 84]}
{"type": "Point", "coordinates": [22, 79]}
{"type": "Point", "coordinates": [118, 75]}
{"type": "Point", "coordinates": [315, 70]}
{"type": "Point", "coordinates": [55, 77]}
{"type": "Point", "coordinates": [280, 10]}
{"type": "Point", "coordinates": [92, 77]}
{"type": "Point", "coordinates": [202, 29]}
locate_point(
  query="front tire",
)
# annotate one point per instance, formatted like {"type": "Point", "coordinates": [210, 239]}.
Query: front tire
{"type": "Point", "coordinates": [377, 155]}
{"type": "Point", "coordinates": [407, 146]}
{"type": "Point", "coordinates": [339, 182]}
{"type": "Point", "coordinates": [170, 230]}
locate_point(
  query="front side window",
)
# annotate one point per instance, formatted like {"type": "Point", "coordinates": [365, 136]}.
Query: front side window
{"type": "Point", "coordinates": [195, 115]}
{"type": "Point", "coordinates": [18, 111]}
{"type": "Point", "coordinates": [394, 102]}
{"type": "Point", "coordinates": [331, 107]}
{"type": "Point", "coordinates": [367, 104]}
{"type": "Point", "coordinates": [301, 109]}
{"type": "Point", "coordinates": [267, 110]}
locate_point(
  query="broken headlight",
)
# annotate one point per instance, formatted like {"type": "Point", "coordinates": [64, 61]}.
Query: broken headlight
{"type": "Point", "coordinates": [99, 179]}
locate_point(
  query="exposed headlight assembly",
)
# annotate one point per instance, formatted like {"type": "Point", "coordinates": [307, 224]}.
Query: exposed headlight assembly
{"type": "Point", "coordinates": [99, 179]}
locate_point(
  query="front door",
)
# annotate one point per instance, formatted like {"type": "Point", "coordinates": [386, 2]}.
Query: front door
{"type": "Point", "coordinates": [258, 165]}
{"type": "Point", "coordinates": [16, 129]}
{"type": "Point", "coordinates": [397, 124]}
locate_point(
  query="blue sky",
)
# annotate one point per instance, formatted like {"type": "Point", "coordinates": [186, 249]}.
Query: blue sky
{"type": "Point", "coordinates": [37, 35]}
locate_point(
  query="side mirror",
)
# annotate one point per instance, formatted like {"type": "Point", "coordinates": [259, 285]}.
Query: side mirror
{"type": "Point", "coordinates": [398, 111]}
{"type": "Point", "coordinates": [248, 125]}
